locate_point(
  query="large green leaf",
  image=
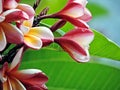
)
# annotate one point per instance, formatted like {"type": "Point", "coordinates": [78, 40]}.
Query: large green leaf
{"type": "Point", "coordinates": [65, 74]}
{"type": "Point", "coordinates": [103, 47]}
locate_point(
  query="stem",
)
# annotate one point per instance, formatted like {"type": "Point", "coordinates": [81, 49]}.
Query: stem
{"type": "Point", "coordinates": [47, 16]}
{"type": "Point", "coordinates": [58, 25]}
{"type": "Point", "coordinates": [11, 54]}
{"type": "Point", "coordinates": [39, 18]}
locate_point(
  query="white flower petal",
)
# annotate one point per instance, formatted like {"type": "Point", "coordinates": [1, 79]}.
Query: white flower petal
{"type": "Point", "coordinates": [2, 18]}
{"type": "Point", "coordinates": [32, 41]}
{"type": "Point", "coordinates": [7, 85]}
{"type": "Point", "coordinates": [42, 33]}
{"type": "Point", "coordinates": [16, 84]}
{"type": "Point", "coordinates": [2, 40]}
{"type": "Point", "coordinates": [16, 61]}
{"type": "Point", "coordinates": [79, 57]}
{"type": "Point", "coordinates": [1, 6]}
{"type": "Point", "coordinates": [30, 71]}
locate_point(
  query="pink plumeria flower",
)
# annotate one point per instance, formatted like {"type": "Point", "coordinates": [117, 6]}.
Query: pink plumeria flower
{"type": "Point", "coordinates": [13, 79]}
{"type": "Point", "coordinates": [8, 32]}
{"type": "Point", "coordinates": [87, 16]}
{"type": "Point", "coordinates": [11, 11]}
{"type": "Point", "coordinates": [76, 43]}
{"type": "Point", "coordinates": [76, 13]}
{"type": "Point", "coordinates": [27, 9]}
{"type": "Point", "coordinates": [13, 4]}
{"type": "Point", "coordinates": [34, 37]}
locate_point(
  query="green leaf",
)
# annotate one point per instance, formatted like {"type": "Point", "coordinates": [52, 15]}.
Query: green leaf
{"type": "Point", "coordinates": [103, 47]}
{"type": "Point", "coordinates": [65, 74]}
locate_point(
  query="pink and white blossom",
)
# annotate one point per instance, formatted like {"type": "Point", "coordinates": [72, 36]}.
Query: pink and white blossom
{"type": "Point", "coordinates": [8, 32]}
{"type": "Point", "coordinates": [76, 43]}
{"type": "Point", "coordinates": [35, 37]}
{"type": "Point", "coordinates": [13, 4]}
{"type": "Point", "coordinates": [11, 11]}
{"type": "Point", "coordinates": [76, 13]}
{"type": "Point", "coordinates": [13, 79]}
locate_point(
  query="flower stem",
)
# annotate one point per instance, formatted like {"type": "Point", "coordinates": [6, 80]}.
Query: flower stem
{"type": "Point", "coordinates": [11, 54]}
{"type": "Point", "coordinates": [38, 18]}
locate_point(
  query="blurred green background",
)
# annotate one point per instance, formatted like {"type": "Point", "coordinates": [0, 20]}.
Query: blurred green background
{"type": "Point", "coordinates": [66, 74]}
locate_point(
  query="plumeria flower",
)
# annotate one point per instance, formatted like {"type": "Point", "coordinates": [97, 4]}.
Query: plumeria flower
{"type": "Point", "coordinates": [13, 79]}
{"type": "Point", "coordinates": [14, 4]}
{"type": "Point", "coordinates": [76, 13]}
{"type": "Point", "coordinates": [35, 37]}
{"type": "Point", "coordinates": [9, 12]}
{"type": "Point", "coordinates": [87, 16]}
{"type": "Point", "coordinates": [27, 9]}
{"type": "Point", "coordinates": [9, 31]}
{"type": "Point", "coordinates": [76, 43]}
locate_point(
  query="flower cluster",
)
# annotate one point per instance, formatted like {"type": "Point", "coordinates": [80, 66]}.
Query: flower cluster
{"type": "Point", "coordinates": [20, 27]}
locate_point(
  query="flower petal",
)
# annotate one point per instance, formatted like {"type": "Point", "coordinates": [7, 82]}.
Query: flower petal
{"type": "Point", "coordinates": [26, 25]}
{"type": "Point", "coordinates": [87, 16]}
{"type": "Point", "coordinates": [76, 13]}
{"type": "Point", "coordinates": [76, 43]}
{"type": "Point", "coordinates": [81, 36]}
{"type": "Point", "coordinates": [42, 32]}
{"type": "Point", "coordinates": [75, 21]}
{"type": "Point", "coordinates": [27, 8]}
{"type": "Point", "coordinates": [16, 61]}
{"type": "Point", "coordinates": [2, 18]}
{"type": "Point", "coordinates": [16, 84]}
{"type": "Point", "coordinates": [82, 2]}
{"type": "Point", "coordinates": [77, 52]}
{"type": "Point", "coordinates": [13, 34]}
{"type": "Point", "coordinates": [24, 29]}
{"type": "Point", "coordinates": [1, 6]}
{"type": "Point", "coordinates": [32, 41]}
{"type": "Point", "coordinates": [73, 10]}
{"type": "Point", "coordinates": [3, 70]}
{"type": "Point", "coordinates": [2, 40]}
{"type": "Point", "coordinates": [32, 78]}
{"type": "Point", "coordinates": [7, 85]}
{"type": "Point", "coordinates": [10, 4]}
{"type": "Point", "coordinates": [15, 15]}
